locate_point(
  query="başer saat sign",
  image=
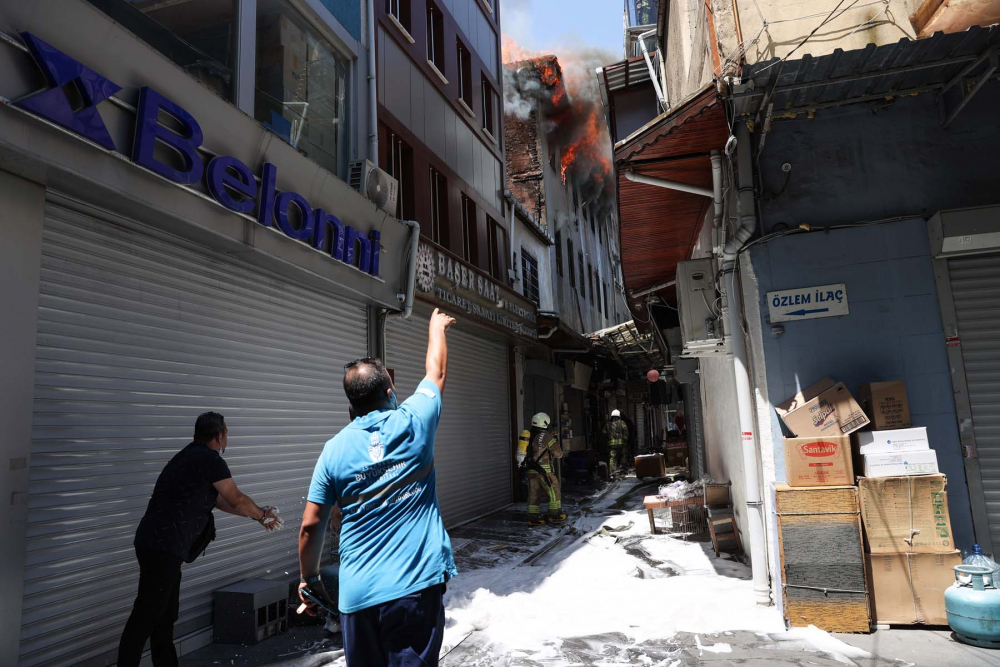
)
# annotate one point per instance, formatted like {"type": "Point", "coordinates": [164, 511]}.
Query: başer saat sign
{"type": "Point", "coordinates": [229, 181]}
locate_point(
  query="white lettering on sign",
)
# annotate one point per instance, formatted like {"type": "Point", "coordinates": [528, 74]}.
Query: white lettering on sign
{"type": "Point", "coordinates": [808, 303]}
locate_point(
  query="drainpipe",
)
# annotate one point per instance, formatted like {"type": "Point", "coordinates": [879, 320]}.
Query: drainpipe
{"type": "Point", "coordinates": [411, 273]}
{"type": "Point", "coordinates": [732, 305]}
{"type": "Point", "coordinates": [510, 227]}
{"type": "Point", "coordinates": [670, 185]}
{"type": "Point", "coordinates": [372, 90]}
{"type": "Point", "coordinates": [652, 73]}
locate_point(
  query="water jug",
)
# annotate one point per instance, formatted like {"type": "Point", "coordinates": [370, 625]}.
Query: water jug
{"type": "Point", "coordinates": [973, 606]}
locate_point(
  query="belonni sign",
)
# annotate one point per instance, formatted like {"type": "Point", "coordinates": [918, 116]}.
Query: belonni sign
{"type": "Point", "coordinates": [806, 303]}
{"type": "Point", "coordinates": [229, 182]}
{"type": "Point", "coordinates": [450, 283]}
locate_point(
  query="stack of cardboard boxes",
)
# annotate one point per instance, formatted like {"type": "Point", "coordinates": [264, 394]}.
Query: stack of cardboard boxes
{"type": "Point", "coordinates": [909, 546]}
{"type": "Point", "coordinates": [909, 550]}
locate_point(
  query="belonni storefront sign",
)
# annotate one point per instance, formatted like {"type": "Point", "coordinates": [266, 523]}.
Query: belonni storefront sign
{"type": "Point", "coordinates": [806, 303]}
{"type": "Point", "coordinates": [230, 182]}
{"type": "Point", "coordinates": [450, 283]}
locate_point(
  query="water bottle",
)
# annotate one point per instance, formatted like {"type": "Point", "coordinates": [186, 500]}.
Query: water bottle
{"type": "Point", "coordinates": [977, 557]}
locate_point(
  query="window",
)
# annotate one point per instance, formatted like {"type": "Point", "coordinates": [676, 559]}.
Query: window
{"type": "Point", "coordinates": [497, 240]}
{"type": "Point", "coordinates": [198, 37]}
{"type": "Point", "coordinates": [572, 269]}
{"type": "Point", "coordinates": [591, 279]}
{"type": "Point", "coordinates": [559, 261]}
{"type": "Point", "coordinates": [399, 13]}
{"type": "Point", "coordinates": [439, 208]}
{"type": "Point", "coordinates": [583, 278]}
{"type": "Point", "coordinates": [529, 275]}
{"type": "Point", "coordinates": [465, 76]}
{"type": "Point", "coordinates": [576, 198]}
{"type": "Point", "coordinates": [489, 108]}
{"type": "Point", "coordinates": [597, 282]}
{"type": "Point", "coordinates": [435, 38]}
{"type": "Point", "coordinates": [605, 298]}
{"type": "Point", "coordinates": [301, 85]}
{"type": "Point", "coordinates": [400, 167]}
{"type": "Point", "coordinates": [470, 235]}
{"type": "Point", "coordinates": [593, 220]}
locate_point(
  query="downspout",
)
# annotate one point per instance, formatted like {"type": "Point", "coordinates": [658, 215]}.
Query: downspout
{"type": "Point", "coordinates": [652, 72]}
{"type": "Point", "coordinates": [372, 89]}
{"type": "Point", "coordinates": [732, 304]}
{"type": "Point", "coordinates": [411, 272]}
{"type": "Point", "coordinates": [510, 228]}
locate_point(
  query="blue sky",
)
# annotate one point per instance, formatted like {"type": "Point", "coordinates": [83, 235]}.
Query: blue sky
{"type": "Point", "coordinates": [554, 25]}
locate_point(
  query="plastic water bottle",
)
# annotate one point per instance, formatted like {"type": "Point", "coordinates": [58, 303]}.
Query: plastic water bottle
{"type": "Point", "coordinates": [977, 557]}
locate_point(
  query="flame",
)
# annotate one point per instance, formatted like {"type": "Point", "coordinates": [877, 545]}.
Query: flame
{"type": "Point", "coordinates": [588, 150]}
{"type": "Point", "coordinates": [512, 52]}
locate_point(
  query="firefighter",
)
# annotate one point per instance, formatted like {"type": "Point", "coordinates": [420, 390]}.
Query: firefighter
{"type": "Point", "coordinates": [617, 441]}
{"type": "Point", "coordinates": [536, 455]}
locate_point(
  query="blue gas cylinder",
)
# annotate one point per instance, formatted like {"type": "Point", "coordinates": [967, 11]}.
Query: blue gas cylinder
{"type": "Point", "coordinates": [973, 606]}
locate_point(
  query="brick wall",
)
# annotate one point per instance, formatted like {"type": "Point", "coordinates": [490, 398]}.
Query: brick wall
{"type": "Point", "coordinates": [525, 165]}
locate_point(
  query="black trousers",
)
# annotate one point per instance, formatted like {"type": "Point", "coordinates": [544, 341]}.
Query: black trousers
{"type": "Point", "coordinates": [406, 632]}
{"type": "Point", "coordinates": [154, 611]}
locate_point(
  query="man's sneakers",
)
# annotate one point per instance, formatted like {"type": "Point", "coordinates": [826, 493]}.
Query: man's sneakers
{"type": "Point", "coordinates": [557, 520]}
{"type": "Point", "coordinates": [536, 521]}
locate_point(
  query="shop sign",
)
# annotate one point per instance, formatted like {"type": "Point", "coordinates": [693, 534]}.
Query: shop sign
{"type": "Point", "coordinates": [806, 303]}
{"type": "Point", "coordinates": [229, 181]}
{"type": "Point", "coordinates": [451, 283]}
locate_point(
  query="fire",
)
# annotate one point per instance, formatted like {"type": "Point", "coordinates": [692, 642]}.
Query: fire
{"type": "Point", "coordinates": [551, 78]}
{"type": "Point", "coordinates": [512, 52]}
{"type": "Point", "coordinates": [588, 150]}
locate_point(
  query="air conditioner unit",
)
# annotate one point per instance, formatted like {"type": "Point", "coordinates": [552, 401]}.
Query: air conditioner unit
{"type": "Point", "coordinates": [701, 327]}
{"type": "Point", "coordinates": [375, 184]}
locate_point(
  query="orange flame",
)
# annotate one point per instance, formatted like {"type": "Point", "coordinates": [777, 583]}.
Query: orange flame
{"type": "Point", "coordinates": [587, 150]}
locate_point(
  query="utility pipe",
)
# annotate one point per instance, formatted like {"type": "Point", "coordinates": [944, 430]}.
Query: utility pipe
{"type": "Point", "coordinates": [510, 228]}
{"type": "Point", "coordinates": [372, 89]}
{"type": "Point", "coordinates": [732, 304]}
{"type": "Point", "coordinates": [411, 273]}
{"type": "Point", "coordinates": [670, 185]}
{"type": "Point", "coordinates": [635, 294]}
{"type": "Point", "coordinates": [652, 73]}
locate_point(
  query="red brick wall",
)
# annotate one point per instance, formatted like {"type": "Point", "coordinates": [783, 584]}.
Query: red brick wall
{"type": "Point", "coordinates": [525, 166]}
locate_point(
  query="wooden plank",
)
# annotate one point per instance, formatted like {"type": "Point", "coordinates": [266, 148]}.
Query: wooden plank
{"type": "Point", "coordinates": [816, 500]}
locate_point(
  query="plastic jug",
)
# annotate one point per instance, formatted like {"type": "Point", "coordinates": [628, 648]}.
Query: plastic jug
{"type": "Point", "coordinates": [973, 606]}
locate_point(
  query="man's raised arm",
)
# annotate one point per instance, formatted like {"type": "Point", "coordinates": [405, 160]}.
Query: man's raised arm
{"type": "Point", "coordinates": [436, 364]}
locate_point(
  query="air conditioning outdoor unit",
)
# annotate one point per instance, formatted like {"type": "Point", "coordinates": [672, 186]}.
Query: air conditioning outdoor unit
{"type": "Point", "coordinates": [375, 184]}
{"type": "Point", "coordinates": [697, 300]}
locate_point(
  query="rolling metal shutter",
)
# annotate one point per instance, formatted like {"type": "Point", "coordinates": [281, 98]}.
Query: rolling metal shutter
{"type": "Point", "coordinates": [137, 335]}
{"type": "Point", "coordinates": [472, 452]}
{"type": "Point", "coordinates": [975, 283]}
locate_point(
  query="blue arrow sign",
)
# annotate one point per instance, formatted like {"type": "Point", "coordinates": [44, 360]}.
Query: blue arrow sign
{"type": "Point", "coordinates": [804, 312]}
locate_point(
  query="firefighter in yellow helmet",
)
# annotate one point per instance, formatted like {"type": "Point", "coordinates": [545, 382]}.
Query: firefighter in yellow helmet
{"type": "Point", "coordinates": [536, 454]}
{"type": "Point", "coordinates": [617, 432]}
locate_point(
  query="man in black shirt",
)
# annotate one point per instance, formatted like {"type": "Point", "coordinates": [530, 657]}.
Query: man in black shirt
{"type": "Point", "coordinates": [176, 528]}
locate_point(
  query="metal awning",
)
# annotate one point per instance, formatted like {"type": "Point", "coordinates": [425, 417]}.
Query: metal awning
{"type": "Point", "coordinates": [953, 66]}
{"type": "Point", "coordinates": [634, 350]}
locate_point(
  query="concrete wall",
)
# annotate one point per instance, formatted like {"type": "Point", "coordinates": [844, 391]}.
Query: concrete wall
{"type": "Point", "coordinates": [20, 269]}
{"type": "Point", "coordinates": [893, 332]}
{"type": "Point", "coordinates": [525, 239]}
{"type": "Point", "coordinates": [723, 450]}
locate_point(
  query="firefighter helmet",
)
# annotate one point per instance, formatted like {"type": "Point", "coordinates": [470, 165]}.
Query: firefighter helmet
{"type": "Point", "coordinates": [541, 420]}
{"type": "Point", "coordinates": [616, 413]}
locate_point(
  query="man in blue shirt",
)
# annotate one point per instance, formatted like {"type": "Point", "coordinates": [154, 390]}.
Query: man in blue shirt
{"type": "Point", "coordinates": [395, 555]}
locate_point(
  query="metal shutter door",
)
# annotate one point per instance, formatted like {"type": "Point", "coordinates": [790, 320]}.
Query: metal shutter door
{"type": "Point", "coordinates": [136, 336]}
{"type": "Point", "coordinates": [975, 283]}
{"type": "Point", "coordinates": [472, 451]}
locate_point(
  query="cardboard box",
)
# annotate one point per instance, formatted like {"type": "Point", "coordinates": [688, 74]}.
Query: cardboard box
{"type": "Point", "coordinates": [906, 514]}
{"type": "Point", "coordinates": [716, 495]}
{"type": "Point", "coordinates": [885, 404]}
{"type": "Point", "coordinates": [825, 408]}
{"type": "Point", "coordinates": [909, 588]}
{"type": "Point", "coordinates": [894, 441]}
{"type": "Point", "coordinates": [650, 465]}
{"type": "Point", "coordinates": [902, 463]}
{"type": "Point", "coordinates": [819, 461]}
{"type": "Point", "coordinates": [677, 457]}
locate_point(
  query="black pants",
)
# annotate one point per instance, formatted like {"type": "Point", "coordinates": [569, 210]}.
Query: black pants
{"type": "Point", "coordinates": [406, 632]}
{"type": "Point", "coordinates": [154, 611]}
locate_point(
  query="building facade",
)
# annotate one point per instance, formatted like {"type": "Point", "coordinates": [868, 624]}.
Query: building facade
{"type": "Point", "coordinates": [181, 237]}
{"type": "Point", "coordinates": [747, 166]}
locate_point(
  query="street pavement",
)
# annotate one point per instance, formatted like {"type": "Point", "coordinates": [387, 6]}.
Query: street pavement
{"type": "Point", "coordinates": [601, 590]}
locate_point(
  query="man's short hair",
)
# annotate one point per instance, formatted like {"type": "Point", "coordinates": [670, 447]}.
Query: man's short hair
{"type": "Point", "coordinates": [208, 426]}
{"type": "Point", "coordinates": [365, 383]}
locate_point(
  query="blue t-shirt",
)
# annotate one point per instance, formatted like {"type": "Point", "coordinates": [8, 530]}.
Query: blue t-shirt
{"type": "Point", "coordinates": [380, 469]}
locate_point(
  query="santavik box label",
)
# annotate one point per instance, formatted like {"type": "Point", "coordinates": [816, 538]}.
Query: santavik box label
{"type": "Point", "coordinates": [819, 461]}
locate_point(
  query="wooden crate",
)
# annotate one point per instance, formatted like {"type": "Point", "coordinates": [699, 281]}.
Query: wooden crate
{"type": "Point", "coordinates": [822, 560]}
